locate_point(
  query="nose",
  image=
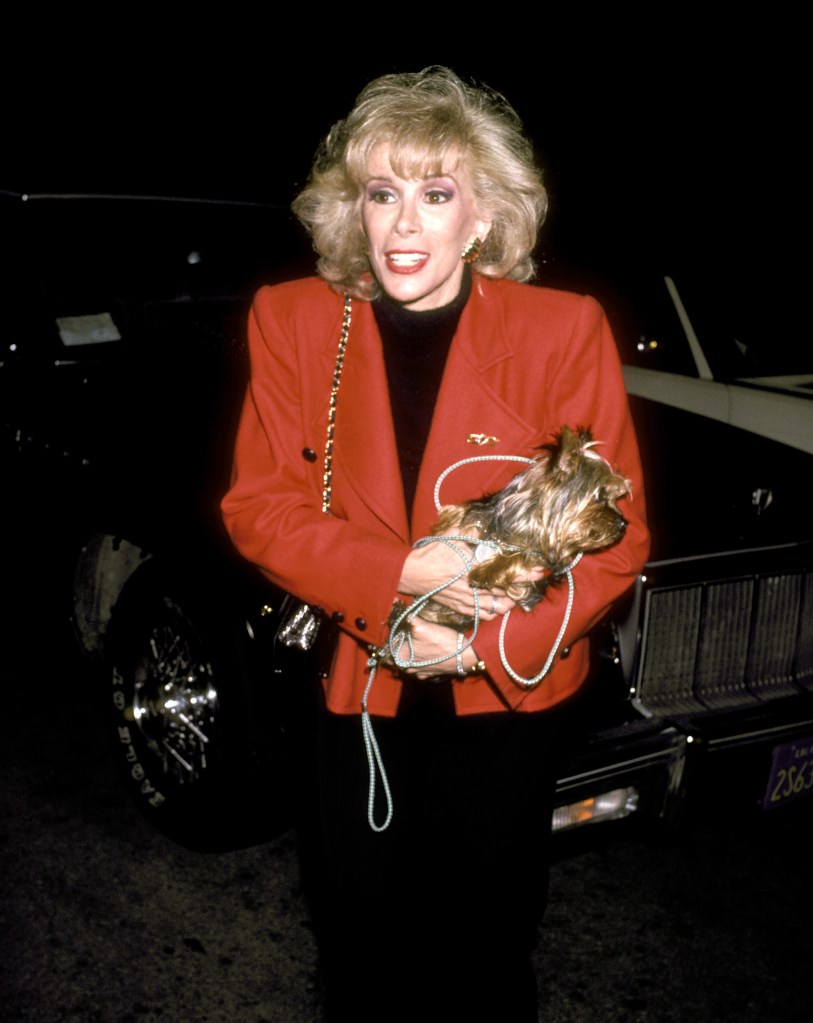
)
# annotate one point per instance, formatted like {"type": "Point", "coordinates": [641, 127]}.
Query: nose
{"type": "Point", "coordinates": [408, 221]}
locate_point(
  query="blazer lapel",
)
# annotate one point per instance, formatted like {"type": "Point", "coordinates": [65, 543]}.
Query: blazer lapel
{"type": "Point", "coordinates": [471, 404]}
{"type": "Point", "coordinates": [365, 453]}
{"type": "Point", "coordinates": [473, 417]}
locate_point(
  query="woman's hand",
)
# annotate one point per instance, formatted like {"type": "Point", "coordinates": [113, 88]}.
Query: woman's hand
{"type": "Point", "coordinates": [434, 564]}
{"type": "Point", "coordinates": [430, 641]}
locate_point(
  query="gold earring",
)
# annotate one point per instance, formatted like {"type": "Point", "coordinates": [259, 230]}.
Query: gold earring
{"type": "Point", "coordinates": [471, 251]}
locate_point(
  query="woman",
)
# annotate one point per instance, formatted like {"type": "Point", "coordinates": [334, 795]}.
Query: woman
{"type": "Point", "coordinates": [424, 206]}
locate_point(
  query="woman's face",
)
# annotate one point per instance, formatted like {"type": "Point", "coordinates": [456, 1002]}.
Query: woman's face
{"type": "Point", "coordinates": [416, 231]}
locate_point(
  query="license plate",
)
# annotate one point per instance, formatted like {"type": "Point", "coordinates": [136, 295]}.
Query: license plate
{"type": "Point", "coordinates": [791, 773]}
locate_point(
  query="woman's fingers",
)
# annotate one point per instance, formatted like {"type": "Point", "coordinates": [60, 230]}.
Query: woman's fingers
{"type": "Point", "coordinates": [437, 644]}
{"type": "Point", "coordinates": [437, 566]}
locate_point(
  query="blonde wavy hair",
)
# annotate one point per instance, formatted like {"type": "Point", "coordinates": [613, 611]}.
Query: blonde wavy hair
{"type": "Point", "coordinates": [432, 122]}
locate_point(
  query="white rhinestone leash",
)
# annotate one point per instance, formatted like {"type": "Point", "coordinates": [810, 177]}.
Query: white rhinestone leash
{"type": "Point", "coordinates": [400, 637]}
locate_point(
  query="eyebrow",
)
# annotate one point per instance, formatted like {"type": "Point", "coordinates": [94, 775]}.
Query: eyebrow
{"type": "Point", "coordinates": [430, 177]}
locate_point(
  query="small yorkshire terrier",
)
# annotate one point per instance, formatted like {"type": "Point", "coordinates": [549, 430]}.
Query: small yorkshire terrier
{"type": "Point", "coordinates": [562, 505]}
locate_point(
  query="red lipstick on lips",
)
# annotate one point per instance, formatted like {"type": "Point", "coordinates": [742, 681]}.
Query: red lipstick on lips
{"type": "Point", "coordinates": [405, 261]}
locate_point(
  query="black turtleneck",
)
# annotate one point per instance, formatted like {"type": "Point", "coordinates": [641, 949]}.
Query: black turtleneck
{"type": "Point", "coordinates": [416, 345]}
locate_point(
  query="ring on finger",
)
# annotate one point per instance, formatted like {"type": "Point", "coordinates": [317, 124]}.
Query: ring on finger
{"type": "Point", "coordinates": [493, 605]}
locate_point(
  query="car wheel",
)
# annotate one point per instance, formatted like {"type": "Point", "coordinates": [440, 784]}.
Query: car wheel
{"type": "Point", "coordinates": [201, 747]}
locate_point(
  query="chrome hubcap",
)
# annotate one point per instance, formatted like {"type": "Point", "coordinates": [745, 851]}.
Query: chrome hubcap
{"type": "Point", "coordinates": [175, 702]}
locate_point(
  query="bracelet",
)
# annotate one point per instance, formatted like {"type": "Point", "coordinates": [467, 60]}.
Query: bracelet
{"type": "Point", "coordinates": [478, 668]}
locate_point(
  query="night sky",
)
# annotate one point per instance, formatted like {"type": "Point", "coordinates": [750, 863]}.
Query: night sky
{"type": "Point", "coordinates": [665, 140]}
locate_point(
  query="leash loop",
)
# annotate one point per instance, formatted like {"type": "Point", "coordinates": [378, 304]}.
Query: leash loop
{"type": "Point", "coordinates": [400, 636]}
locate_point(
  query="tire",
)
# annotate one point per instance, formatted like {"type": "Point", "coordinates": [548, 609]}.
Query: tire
{"type": "Point", "coordinates": [202, 749]}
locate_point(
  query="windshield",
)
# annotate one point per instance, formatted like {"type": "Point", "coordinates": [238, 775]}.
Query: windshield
{"type": "Point", "coordinates": [749, 326]}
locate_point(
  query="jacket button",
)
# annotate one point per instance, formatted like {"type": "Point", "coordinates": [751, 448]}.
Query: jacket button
{"type": "Point", "coordinates": [309, 454]}
{"type": "Point", "coordinates": [361, 625]}
{"type": "Point", "coordinates": [565, 652]}
{"type": "Point", "coordinates": [338, 616]}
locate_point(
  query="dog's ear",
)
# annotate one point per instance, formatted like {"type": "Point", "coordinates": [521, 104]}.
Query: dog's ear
{"type": "Point", "coordinates": [570, 449]}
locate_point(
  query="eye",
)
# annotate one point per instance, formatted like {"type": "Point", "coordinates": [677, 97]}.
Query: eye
{"type": "Point", "coordinates": [381, 195]}
{"type": "Point", "coordinates": [435, 196]}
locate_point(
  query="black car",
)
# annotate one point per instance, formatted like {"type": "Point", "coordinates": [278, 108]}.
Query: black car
{"type": "Point", "coordinates": [122, 372]}
{"type": "Point", "coordinates": [713, 648]}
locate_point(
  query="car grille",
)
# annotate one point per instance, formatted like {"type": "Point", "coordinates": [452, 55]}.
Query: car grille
{"type": "Point", "coordinates": [726, 643]}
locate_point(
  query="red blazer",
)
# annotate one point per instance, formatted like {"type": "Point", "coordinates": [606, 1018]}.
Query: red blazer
{"type": "Point", "coordinates": [525, 361]}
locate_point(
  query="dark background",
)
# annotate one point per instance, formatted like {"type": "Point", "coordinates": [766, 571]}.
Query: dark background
{"type": "Point", "coordinates": [660, 139]}
{"type": "Point", "coordinates": [104, 920]}
{"type": "Point", "coordinates": [664, 141]}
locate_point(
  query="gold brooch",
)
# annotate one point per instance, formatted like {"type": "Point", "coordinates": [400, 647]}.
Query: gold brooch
{"type": "Point", "coordinates": [482, 439]}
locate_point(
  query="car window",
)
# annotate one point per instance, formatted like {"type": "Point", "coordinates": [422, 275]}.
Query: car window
{"type": "Point", "coordinates": [642, 315]}
{"type": "Point", "coordinates": [86, 270]}
{"type": "Point", "coordinates": [750, 325]}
